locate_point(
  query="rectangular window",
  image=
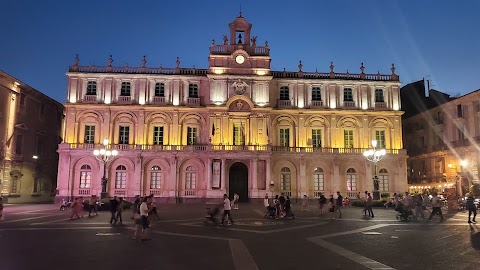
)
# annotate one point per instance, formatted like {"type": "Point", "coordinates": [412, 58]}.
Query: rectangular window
{"type": "Point", "coordinates": [120, 180]}
{"type": "Point", "coordinates": [461, 133]}
{"type": "Point", "coordinates": [155, 180]}
{"type": "Point", "coordinates": [19, 145]}
{"type": "Point", "coordinates": [125, 90]}
{"type": "Point", "coordinates": [123, 134]}
{"type": "Point", "coordinates": [238, 134]}
{"type": "Point", "coordinates": [459, 110]}
{"type": "Point", "coordinates": [190, 180]}
{"type": "Point", "coordinates": [380, 137]}
{"type": "Point", "coordinates": [379, 95]}
{"type": "Point", "coordinates": [383, 182]}
{"type": "Point", "coordinates": [89, 134]}
{"type": "Point", "coordinates": [316, 94]}
{"type": "Point", "coordinates": [192, 134]}
{"type": "Point", "coordinates": [318, 183]}
{"type": "Point", "coordinates": [348, 138]}
{"type": "Point", "coordinates": [193, 91]}
{"type": "Point", "coordinates": [347, 94]}
{"type": "Point", "coordinates": [316, 137]}
{"type": "Point", "coordinates": [285, 137]}
{"type": "Point", "coordinates": [92, 88]}
{"type": "Point", "coordinates": [85, 179]}
{"type": "Point", "coordinates": [159, 90]}
{"type": "Point", "coordinates": [158, 135]}
{"type": "Point", "coordinates": [37, 185]}
{"type": "Point", "coordinates": [22, 99]}
{"type": "Point", "coordinates": [285, 181]}
{"type": "Point", "coordinates": [14, 187]}
{"type": "Point", "coordinates": [351, 182]}
{"type": "Point", "coordinates": [38, 144]}
{"type": "Point", "coordinates": [284, 93]}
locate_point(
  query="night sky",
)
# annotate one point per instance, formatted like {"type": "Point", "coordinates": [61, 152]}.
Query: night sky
{"type": "Point", "coordinates": [439, 40]}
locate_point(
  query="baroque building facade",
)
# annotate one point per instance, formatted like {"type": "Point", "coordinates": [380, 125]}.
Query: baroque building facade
{"type": "Point", "coordinates": [195, 134]}
{"type": "Point", "coordinates": [442, 144]}
{"type": "Point", "coordinates": [30, 129]}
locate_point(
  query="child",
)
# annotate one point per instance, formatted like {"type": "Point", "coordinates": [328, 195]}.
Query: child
{"type": "Point", "coordinates": [346, 202]}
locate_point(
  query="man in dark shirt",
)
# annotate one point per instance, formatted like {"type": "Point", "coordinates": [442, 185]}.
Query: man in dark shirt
{"type": "Point", "coordinates": [471, 208]}
{"type": "Point", "coordinates": [113, 210]}
{"type": "Point", "coordinates": [339, 204]}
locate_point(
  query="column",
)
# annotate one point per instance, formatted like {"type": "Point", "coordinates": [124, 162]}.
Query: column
{"type": "Point", "coordinates": [254, 163]}
{"type": "Point", "coordinates": [222, 181]}
{"type": "Point", "coordinates": [302, 187]}
{"type": "Point", "coordinates": [267, 174]}
{"type": "Point", "coordinates": [209, 174]}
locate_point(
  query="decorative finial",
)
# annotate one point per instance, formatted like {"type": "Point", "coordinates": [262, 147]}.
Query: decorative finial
{"type": "Point", "coordinates": [300, 66]}
{"type": "Point", "coordinates": [331, 67]}
{"type": "Point", "coordinates": [284, 70]}
{"type": "Point", "coordinates": [266, 44]}
{"type": "Point", "coordinates": [178, 62]}
{"type": "Point", "coordinates": [225, 40]}
{"type": "Point", "coordinates": [378, 72]}
{"type": "Point", "coordinates": [316, 70]}
{"type": "Point", "coordinates": [347, 71]}
{"type": "Point", "coordinates": [240, 16]}
{"type": "Point", "coordinates": [213, 41]}
{"type": "Point", "coordinates": [393, 69]}
{"type": "Point", "coordinates": [144, 61]}
{"type": "Point", "coordinates": [362, 68]}
{"type": "Point", "coordinates": [76, 60]}
{"type": "Point", "coordinates": [254, 41]}
{"type": "Point", "coordinates": [110, 61]}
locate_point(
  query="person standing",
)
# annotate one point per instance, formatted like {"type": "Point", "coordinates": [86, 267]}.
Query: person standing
{"type": "Point", "coordinates": [305, 203]}
{"type": "Point", "coordinates": [266, 202]}
{"type": "Point", "coordinates": [418, 206]}
{"type": "Point", "coordinates": [471, 208]}
{"type": "Point", "coordinates": [235, 201]}
{"type": "Point", "coordinates": [136, 206]}
{"type": "Point", "coordinates": [395, 201]}
{"type": "Point", "coordinates": [365, 198]}
{"type": "Point", "coordinates": [368, 205]}
{"type": "Point", "coordinates": [92, 206]}
{"type": "Point", "coordinates": [436, 207]}
{"type": "Point", "coordinates": [121, 205]}
{"type": "Point", "coordinates": [226, 209]}
{"type": "Point", "coordinates": [2, 216]}
{"type": "Point", "coordinates": [338, 205]}
{"type": "Point", "coordinates": [144, 219]}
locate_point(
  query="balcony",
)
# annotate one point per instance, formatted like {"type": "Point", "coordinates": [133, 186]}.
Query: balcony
{"type": "Point", "coordinates": [90, 99]}
{"type": "Point", "coordinates": [380, 105]}
{"type": "Point", "coordinates": [124, 100]}
{"type": "Point", "coordinates": [316, 104]}
{"type": "Point", "coordinates": [349, 104]}
{"type": "Point", "coordinates": [158, 100]}
{"type": "Point", "coordinates": [460, 143]}
{"type": "Point", "coordinates": [439, 147]}
{"type": "Point", "coordinates": [438, 121]}
{"type": "Point", "coordinates": [193, 102]}
{"type": "Point", "coordinates": [284, 103]}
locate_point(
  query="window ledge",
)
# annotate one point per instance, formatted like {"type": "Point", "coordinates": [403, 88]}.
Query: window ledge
{"type": "Point", "coordinates": [36, 194]}
{"type": "Point", "coordinates": [14, 195]}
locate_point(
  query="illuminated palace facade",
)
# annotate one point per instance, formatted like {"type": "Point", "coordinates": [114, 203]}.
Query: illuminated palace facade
{"type": "Point", "coordinates": [186, 134]}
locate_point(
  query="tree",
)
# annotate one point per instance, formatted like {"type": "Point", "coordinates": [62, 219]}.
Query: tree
{"type": "Point", "coordinates": [475, 190]}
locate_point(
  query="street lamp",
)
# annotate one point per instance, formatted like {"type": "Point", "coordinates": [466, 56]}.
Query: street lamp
{"type": "Point", "coordinates": [104, 155]}
{"type": "Point", "coordinates": [374, 155]}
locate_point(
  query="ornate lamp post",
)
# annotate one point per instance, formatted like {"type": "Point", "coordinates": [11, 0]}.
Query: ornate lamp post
{"type": "Point", "coordinates": [375, 155]}
{"type": "Point", "coordinates": [104, 155]}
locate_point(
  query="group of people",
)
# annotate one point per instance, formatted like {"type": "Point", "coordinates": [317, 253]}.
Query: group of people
{"type": "Point", "coordinates": [144, 210]}
{"type": "Point", "coordinates": [281, 206]}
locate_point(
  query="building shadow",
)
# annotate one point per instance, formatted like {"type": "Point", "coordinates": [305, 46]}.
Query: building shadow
{"type": "Point", "coordinates": [474, 237]}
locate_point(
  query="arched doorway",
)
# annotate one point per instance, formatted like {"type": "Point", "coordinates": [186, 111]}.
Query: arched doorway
{"type": "Point", "coordinates": [238, 181]}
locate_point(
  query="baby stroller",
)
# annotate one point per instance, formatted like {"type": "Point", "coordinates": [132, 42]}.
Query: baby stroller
{"type": "Point", "coordinates": [65, 205]}
{"type": "Point", "coordinates": [212, 216]}
{"type": "Point", "coordinates": [404, 213]}
{"type": "Point", "coordinates": [271, 212]}
{"type": "Point", "coordinates": [289, 214]}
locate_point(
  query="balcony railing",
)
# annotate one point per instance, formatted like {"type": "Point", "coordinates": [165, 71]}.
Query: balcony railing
{"type": "Point", "coordinates": [120, 192]}
{"type": "Point", "coordinates": [284, 103]}
{"type": "Point", "coordinates": [190, 193]}
{"type": "Point", "coordinates": [193, 102]}
{"type": "Point", "coordinates": [459, 143]}
{"type": "Point", "coordinates": [158, 100]}
{"type": "Point", "coordinates": [380, 105]}
{"type": "Point", "coordinates": [316, 104]}
{"type": "Point", "coordinates": [84, 192]}
{"type": "Point", "coordinates": [245, 148]}
{"type": "Point", "coordinates": [349, 104]}
{"type": "Point", "coordinates": [90, 99]}
{"type": "Point", "coordinates": [124, 100]}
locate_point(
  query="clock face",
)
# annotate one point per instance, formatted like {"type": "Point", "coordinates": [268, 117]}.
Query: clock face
{"type": "Point", "coordinates": [240, 59]}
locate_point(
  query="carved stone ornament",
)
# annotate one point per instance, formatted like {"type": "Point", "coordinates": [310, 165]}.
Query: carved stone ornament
{"type": "Point", "coordinates": [239, 105]}
{"type": "Point", "coordinates": [240, 87]}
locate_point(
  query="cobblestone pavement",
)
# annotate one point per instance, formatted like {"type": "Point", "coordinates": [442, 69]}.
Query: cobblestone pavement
{"type": "Point", "coordinates": [41, 236]}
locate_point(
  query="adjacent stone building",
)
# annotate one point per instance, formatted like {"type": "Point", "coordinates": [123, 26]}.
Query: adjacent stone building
{"type": "Point", "coordinates": [188, 134]}
{"type": "Point", "coordinates": [30, 129]}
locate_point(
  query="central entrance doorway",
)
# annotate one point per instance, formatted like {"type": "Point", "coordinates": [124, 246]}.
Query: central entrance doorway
{"type": "Point", "coordinates": [238, 181]}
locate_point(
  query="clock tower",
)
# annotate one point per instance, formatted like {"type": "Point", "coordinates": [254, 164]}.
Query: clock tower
{"type": "Point", "coordinates": [239, 55]}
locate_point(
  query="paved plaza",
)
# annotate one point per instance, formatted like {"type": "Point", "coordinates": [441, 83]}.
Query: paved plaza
{"type": "Point", "coordinates": [41, 237]}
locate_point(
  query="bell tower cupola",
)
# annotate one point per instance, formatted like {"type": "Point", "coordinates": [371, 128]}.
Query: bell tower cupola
{"type": "Point", "coordinates": [240, 31]}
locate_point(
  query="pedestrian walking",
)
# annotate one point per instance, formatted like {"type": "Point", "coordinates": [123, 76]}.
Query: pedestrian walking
{"type": "Point", "coordinates": [436, 207]}
{"type": "Point", "coordinates": [121, 205]}
{"type": "Point", "coordinates": [143, 230]}
{"type": "Point", "coordinates": [368, 205]}
{"type": "Point", "coordinates": [136, 206]}
{"type": "Point", "coordinates": [322, 201]}
{"type": "Point", "coordinates": [113, 209]}
{"type": "Point", "coordinates": [153, 207]}
{"type": "Point", "coordinates": [472, 209]}
{"type": "Point", "coordinates": [305, 203]}
{"type": "Point", "coordinates": [418, 201]}
{"type": "Point", "coordinates": [338, 205]}
{"type": "Point", "coordinates": [92, 206]}
{"type": "Point", "coordinates": [395, 200]}
{"type": "Point", "coordinates": [365, 198]}
{"type": "Point", "coordinates": [2, 215]}
{"type": "Point", "coordinates": [226, 209]}
{"type": "Point", "coordinates": [75, 209]}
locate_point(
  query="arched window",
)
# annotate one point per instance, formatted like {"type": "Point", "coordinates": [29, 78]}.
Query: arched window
{"type": "Point", "coordinates": [85, 176]}
{"type": "Point", "coordinates": [351, 180]}
{"type": "Point", "coordinates": [318, 179]}
{"type": "Point", "coordinates": [155, 177]}
{"type": "Point", "coordinates": [284, 93]}
{"type": "Point", "coordinates": [285, 179]}
{"type": "Point", "coordinates": [383, 180]}
{"type": "Point", "coordinates": [190, 177]}
{"type": "Point", "coordinates": [121, 177]}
